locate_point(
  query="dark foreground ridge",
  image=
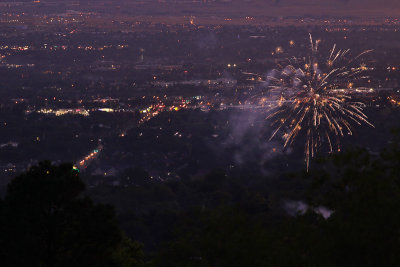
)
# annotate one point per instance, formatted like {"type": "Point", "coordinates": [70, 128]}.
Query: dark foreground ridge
{"type": "Point", "coordinates": [344, 212]}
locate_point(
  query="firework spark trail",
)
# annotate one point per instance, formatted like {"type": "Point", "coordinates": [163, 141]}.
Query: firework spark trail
{"type": "Point", "coordinates": [310, 102]}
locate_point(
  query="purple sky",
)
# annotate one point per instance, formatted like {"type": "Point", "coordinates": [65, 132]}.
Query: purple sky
{"type": "Point", "coordinates": [360, 8]}
{"type": "Point", "coordinates": [242, 8]}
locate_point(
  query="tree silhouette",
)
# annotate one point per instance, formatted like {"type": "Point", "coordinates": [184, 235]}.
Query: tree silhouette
{"type": "Point", "coordinates": [45, 221]}
{"type": "Point", "coordinates": [361, 191]}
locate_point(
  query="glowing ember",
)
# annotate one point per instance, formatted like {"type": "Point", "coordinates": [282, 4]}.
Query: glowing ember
{"type": "Point", "coordinates": [312, 103]}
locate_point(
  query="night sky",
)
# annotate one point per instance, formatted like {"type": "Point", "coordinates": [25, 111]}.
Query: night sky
{"type": "Point", "coordinates": [358, 8]}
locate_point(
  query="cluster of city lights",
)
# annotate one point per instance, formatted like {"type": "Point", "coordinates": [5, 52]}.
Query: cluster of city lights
{"type": "Point", "coordinates": [90, 156]}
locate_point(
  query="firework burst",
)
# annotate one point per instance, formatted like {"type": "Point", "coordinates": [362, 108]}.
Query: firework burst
{"type": "Point", "coordinates": [313, 99]}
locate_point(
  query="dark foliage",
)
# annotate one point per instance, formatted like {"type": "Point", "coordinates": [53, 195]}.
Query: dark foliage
{"type": "Point", "coordinates": [351, 217]}
{"type": "Point", "coordinates": [360, 191]}
{"type": "Point", "coordinates": [45, 222]}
